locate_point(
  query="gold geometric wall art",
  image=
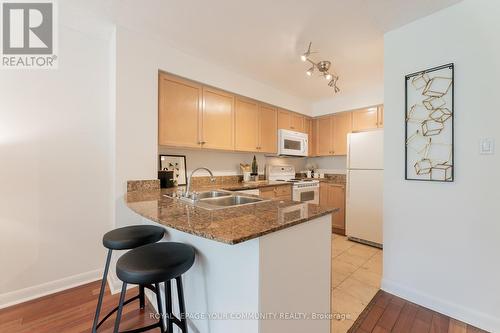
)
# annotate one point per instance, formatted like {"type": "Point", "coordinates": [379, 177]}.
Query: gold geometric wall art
{"type": "Point", "coordinates": [429, 133]}
{"type": "Point", "coordinates": [431, 127]}
{"type": "Point", "coordinates": [432, 103]}
{"type": "Point", "coordinates": [420, 81]}
{"type": "Point", "coordinates": [417, 114]}
{"type": "Point", "coordinates": [437, 86]}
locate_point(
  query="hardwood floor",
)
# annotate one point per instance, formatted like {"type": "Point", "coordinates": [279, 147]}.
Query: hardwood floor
{"type": "Point", "coordinates": [389, 313]}
{"type": "Point", "coordinates": [72, 311]}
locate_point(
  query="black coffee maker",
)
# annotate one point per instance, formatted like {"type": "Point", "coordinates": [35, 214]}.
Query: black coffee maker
{"type": "Point", "coordinates": [166, 179]}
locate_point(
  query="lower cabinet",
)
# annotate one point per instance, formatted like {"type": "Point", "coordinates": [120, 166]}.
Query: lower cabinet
{"type": "Point", "coordinates": [283, 192]}
{"type": "Point", "coordinates": [333, 195]}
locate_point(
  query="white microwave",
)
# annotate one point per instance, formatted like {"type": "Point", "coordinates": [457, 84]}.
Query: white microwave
{"type": "Point", "coordinates": [292, 143]}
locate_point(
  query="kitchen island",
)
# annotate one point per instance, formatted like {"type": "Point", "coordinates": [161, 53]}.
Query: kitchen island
{"type": "Point", "coordinates": [263, 267]}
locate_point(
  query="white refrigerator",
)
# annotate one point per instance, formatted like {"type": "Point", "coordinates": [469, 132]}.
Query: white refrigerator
{"type": "Point", "coordinates": [365, 172]}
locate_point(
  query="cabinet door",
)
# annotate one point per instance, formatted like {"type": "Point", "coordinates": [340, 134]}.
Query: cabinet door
{"type": "Point", "coordinates": [296, 122]}
{"type": "Point", "coordinates": [246, 125]}
{"type": "Point", "coordinates": [268, 129]}
{"type": "Point", "coordinates": [284, 121]}
{"type": "Point", "coordinates": [217, 119]}
{"type": "Point", "coordinates": [324, 136]}
{"type": "Point", "coordinates": [179, 105]}
{"type": "Point", "coordinates": [364, 119]}
{"type": "Point", "coordinates": [308, 129]}
{"type": "Point", "coordinates": [267, 192]}
{"type": "Point", "coordinates": [313, 138]}
{"type": "Point", "coordinates": [380, 116]}
{"type": "Point", "coordinates": [283, 192]}
{"type": "Point", "coordinates": [342, 125]}
{"type": "Point", "coordinates": [323, 195]}
{"type": "Point", "coordinates": [336, 195]}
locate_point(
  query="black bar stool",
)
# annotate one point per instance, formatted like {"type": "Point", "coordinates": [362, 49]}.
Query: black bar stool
{"type": "Point", "coordinates": [125, 238]}
{"type": "Point", "coordinates": [151, 265]}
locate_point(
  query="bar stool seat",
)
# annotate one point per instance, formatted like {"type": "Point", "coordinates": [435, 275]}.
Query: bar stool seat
{"type": "Point", "coordinates": [154, 263]}
{"type": "Point", "coordinates": [131, 237]}
{"type": "Point", "coordinates": [125, 238]}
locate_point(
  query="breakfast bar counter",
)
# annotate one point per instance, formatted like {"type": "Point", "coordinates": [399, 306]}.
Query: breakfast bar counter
{"type": "Point", "coordinates": [231, 225]}
{"type": "Point", "coordinates": [261, 267]}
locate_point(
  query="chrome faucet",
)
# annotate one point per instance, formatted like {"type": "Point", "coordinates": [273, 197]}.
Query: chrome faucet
{"type": "Point", "coordinates": [188, 187]}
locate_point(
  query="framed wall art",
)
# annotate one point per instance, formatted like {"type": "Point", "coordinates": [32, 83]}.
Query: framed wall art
{"type": "Point", "coordinates": [429, 150]}
{"type": "Point", "coordinates": [177, 164]}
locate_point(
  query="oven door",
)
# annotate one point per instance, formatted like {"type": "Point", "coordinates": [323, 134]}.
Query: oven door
{"type": "Point", "coordinates": [292, 143]}
{"type": "Point", "coordinates": [306, 194]}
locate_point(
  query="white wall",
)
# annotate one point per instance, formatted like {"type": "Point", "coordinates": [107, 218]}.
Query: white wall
{"type": "Point", "coordinates": [330, 164]}
{"type": "Point", "coordinates": [442, 241]}
{"type": "Point", "coordinates": [55, 165]}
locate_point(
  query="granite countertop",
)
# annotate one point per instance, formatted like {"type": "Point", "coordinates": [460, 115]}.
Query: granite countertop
{"type": "Point", "coordinates": [229, 225]}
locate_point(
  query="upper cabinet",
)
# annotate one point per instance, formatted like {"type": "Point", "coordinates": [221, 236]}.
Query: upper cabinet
{"type": "Point", "coordinates": [308, 129]}
{"type": "Point", "coordinates": [332, 133]}
{"type": "Point", "coordinates": [179, 109]}
{"type": "Point", "coordinates": [297, 122]}
{"type": "Point", "coordinates": [365, 119]}
{"type": "Point", "coordinates": [191, 115]}
{"type": "Point", "coordinates": [197, 116]}
{"type": "Point", "coordinates": [324, 136]}
{"type": "Point", "coordinates": [255, 126]}
{"type": "Point", "coordinates": [290, 120]}
{"type": "Point", "coordinates": [341, 126]}
{"type": "Point", "coordinates": [246, 124]}
{"type": "Point", "coordinates": [313, 138]}
{"type": "Point", "coordinates": [268, 124]}
{"type": "Point", "coordinates": [217, 128]}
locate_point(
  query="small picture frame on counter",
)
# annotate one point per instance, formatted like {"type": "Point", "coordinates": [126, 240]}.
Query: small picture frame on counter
{"type": "Point", "coordinates": [172, 170]}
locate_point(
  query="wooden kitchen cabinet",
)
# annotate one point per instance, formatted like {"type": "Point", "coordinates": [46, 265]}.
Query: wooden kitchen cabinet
{"type": "Point", "coordinates": [337, 197]}
{"type": "Point", "coordinates": [313, 138]}
{"type": "Point", "coordinates": [197, 116]}
{"type": "Point", "coordinates": [365, 119]}
{"type": "Point", "coordinates": [255, 126]}
{"type": "Point", "coordinates": [324, 136]}
{"type": "Point", "coordinates": [179, 109]}
{"type": "Point", "coordinates": [268, 124]}
{"type": "Point", "coordinates": [308, 128]}
{"type": "Point", "coordinates": [282, 192]}
{"type": "Point", "coordinates": [284, 119]}
{"type": "Point", "coordinates": [246, 125]}
{"type": "Point", "coordinates": [341, 126]}
{"type": "Point", "coordinates": [333, 195]}
{"type": "Point", "coordinates": [290, 121]}
{"type": "Point", "coordinates": [217, 130]}
{"type": "Point", "coordinates": [297, 122]}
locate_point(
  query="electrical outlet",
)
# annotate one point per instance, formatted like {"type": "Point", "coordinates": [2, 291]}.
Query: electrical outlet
{"type": "Point", "coordinates": [486, 146]}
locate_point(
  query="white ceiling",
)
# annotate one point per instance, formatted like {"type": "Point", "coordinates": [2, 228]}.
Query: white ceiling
{"type": "Point", "coordinates": [263, 39]}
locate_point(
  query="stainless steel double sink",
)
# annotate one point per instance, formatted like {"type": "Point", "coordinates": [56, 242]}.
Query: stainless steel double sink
{"type": "Point", "coordinates": [218, 199]}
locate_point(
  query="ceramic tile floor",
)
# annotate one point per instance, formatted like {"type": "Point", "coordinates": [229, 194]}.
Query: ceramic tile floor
{"type": "Point", "coordinates": [356, 276]}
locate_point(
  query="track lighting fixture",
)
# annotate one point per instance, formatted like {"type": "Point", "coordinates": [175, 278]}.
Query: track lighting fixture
{"type": "Point", "coordinates": [323, 69]}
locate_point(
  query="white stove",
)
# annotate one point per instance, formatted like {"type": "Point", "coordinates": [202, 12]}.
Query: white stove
{"type": "Point", "coordinates": [303, 189]}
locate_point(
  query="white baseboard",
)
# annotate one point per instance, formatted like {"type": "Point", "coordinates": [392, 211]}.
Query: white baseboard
{"type": "Point", "coordinates": [456, 311]}
{"type": "Point", "coordinates": [27, 294]}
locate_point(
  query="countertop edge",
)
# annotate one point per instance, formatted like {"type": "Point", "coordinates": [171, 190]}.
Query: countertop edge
{"type": "Point", "coordinates": [234, 241]}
